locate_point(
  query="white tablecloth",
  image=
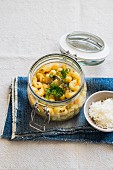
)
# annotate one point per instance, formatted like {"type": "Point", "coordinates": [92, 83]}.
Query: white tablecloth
{"type": "Point", "coordinates": [30, 29]}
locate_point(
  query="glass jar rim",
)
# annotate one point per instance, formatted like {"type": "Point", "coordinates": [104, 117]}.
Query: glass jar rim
{"type": "Point", "coordinates": [49, 101]}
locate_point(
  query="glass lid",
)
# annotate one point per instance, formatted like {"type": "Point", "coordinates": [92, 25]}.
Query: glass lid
{"type": "Point", "coordinates": [85, 42]}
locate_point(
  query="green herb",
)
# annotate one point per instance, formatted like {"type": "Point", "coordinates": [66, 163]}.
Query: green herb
{"type": "Point", "coordinates": [54, 77]}
{"type": "Point", "coordinates": [64, 73]}
{"type": "Point", "coordinates": [66, 85]}
{"type": "Point", "coordinates": [51, 76]}
{"type": "Point", "coordinates": [48, 91]}
{"type": "Point", "coordinates": [54, 90]}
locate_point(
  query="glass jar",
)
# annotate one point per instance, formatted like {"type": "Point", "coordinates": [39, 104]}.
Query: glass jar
{"type": "Point", "coordinates": [57, 110]}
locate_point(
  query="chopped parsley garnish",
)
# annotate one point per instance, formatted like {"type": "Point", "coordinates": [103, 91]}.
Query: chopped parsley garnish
{"type": "Point", "coordinates": [54, 77]}
{"type": "Point", "coordinates": [64, 73]}
{"type": "Point", "coordinates": [54, 90]}
{"type": "Point", "coordinates": [66, 85]}
{"type": "Point", "coordinates": [51, 76]}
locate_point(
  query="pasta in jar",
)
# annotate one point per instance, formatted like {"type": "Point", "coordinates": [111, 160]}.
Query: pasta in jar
{"type": "Point", "coordinates": [61, 86]}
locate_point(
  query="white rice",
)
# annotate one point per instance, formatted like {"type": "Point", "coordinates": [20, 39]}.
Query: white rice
{"type": "Point", "coordinates": [101, 112]}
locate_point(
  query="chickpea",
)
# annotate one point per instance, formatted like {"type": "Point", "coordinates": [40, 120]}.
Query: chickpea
{"type": "Point", "coordinates": [63, 66]}
{"type": "Point", "coordinates": [62, 97]}
{"type": "Point", "coordinates": [53, 72]}
{"type": "Point", "coordinates": [37, 85]}
{"type": "Point", "coordinates": [69, 94]}
{"type": "Point", "coordinates": [79, 81]}
{"type": "Point", "coordinates": [75, 75]}
{"type": "Point", "coordinates": [72, 85]}
{"type": "Point", "coordinates": [40, 77]}
{"type": "Point", "coordinates": [51, 97]}
{"type": "Point", "coordinates": [68, 79]}
{"type": "Point", "coordinates": [47, 79]}
{"type": "Point", "coordinates": [45, 86]}
{"type": "Point", "coordinates": [59, 69]}
{"type": "Point", "coordinates": [34, 88]}
{"type": "Point", "coordinates": [42, 70]}
{"type": "Point", "coordinates": [56, 82]}
{"type": "Point", "coordinates": [55, 66]}
{"type": "Point", "coordinates": [48, 68]}
{"type": "Point", "coordinates": [60, 110]}
{"type": "Point", "coordinates": [34, 79]}
{"type": "Point", "coordinates": [40, 92]}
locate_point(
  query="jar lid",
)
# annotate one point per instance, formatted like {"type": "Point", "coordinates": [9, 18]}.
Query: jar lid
{"type": "Point", "coordinates": [85, 42]}
{"type": "Point", "coordinates": [90, 49]}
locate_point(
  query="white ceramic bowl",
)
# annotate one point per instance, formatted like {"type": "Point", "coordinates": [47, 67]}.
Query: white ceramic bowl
{"type": "Point", "coordinates": [100, 95]}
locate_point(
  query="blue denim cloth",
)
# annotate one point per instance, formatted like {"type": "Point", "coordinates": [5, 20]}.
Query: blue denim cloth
{"type": "Point", "coordinates": [76, 129]}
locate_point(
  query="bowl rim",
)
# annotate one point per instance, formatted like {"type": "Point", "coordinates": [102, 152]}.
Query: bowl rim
{"type": "Point", "coordinates": [87, 116]}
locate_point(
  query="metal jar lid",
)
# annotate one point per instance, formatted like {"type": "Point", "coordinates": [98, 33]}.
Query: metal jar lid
{"type": "Point", "coordinates": [89, 48]}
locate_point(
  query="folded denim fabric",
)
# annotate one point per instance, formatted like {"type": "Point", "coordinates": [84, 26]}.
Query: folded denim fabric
{"type": "Point", "coordinates": [76, 129]}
